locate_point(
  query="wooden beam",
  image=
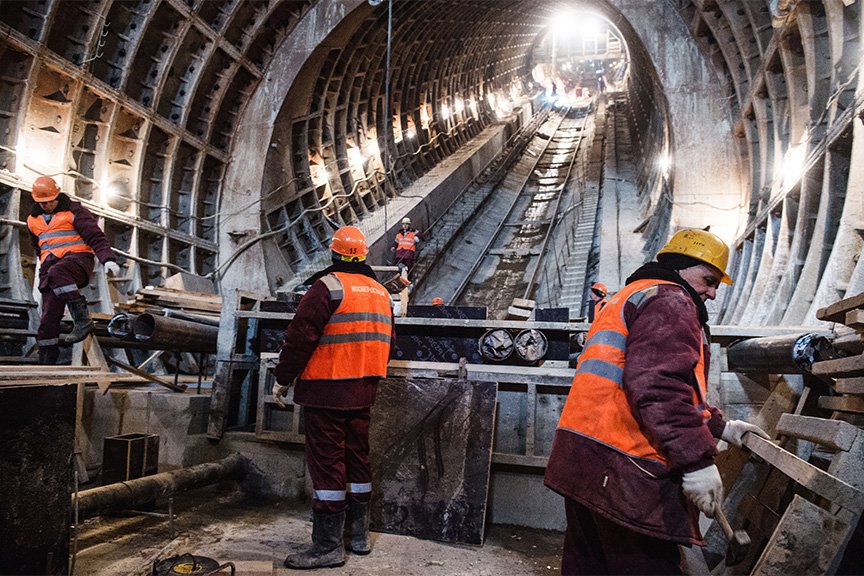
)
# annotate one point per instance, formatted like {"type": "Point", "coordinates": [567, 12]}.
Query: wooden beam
{"type": "Point", "coordinates": [146, 376]}
{"type": "Point", "coordinates": [848, 385]}
{"type": "Point", "coordinates": [837, 312]}
{"type": "Point", "coordinates": [855, 319]}
{"type": "Point", "coordinates": [851, 366]}
{"type": "Point", "coordinates": [834, 434]}
{"type": "Point", "coordinates": [806, 474]}
{"type": "Point", "coordinates": [853, 404]}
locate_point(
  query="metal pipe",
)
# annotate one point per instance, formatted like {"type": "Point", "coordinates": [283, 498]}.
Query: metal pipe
{"type": "Point", "coordinates": [124, 495]}
{"type": "Point", "coordinates": [171, 313]}
{"type": "Point", "coordinates": [779, 354]}
{"type": "Point", "coordinates": [175, 334]}
{"type": "Point", "coordinates": [120, 326]}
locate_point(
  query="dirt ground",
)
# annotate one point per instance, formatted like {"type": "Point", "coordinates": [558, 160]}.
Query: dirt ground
{"type": "Point", "coordinates": [257, 535]}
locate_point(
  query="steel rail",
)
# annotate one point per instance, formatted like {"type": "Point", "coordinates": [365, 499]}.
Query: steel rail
{"type": "Point", "coordinates": [472, 271]}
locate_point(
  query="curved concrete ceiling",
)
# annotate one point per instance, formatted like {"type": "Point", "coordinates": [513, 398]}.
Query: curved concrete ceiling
{"type": "Point", "coordinates": [168, 115]}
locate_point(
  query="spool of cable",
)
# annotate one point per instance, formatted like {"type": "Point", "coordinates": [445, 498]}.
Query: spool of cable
{"type": "Point", "coordinates": [496, 345]}
{"type": "Point", "coordinates": [531, 345]}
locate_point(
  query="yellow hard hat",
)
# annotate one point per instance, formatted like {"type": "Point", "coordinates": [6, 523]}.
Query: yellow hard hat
{"type": "Point", "coordinates": [701, 245]}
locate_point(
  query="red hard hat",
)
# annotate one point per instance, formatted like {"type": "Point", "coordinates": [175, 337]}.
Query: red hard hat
{"type": "Point", "coordinates": [600, 287]}
{"type": "Point", "coordinates": [349, 241]}
{"type": "Point", "coordinates": [45, 189]}
{"type": "Point", "coordinates": [437, 302]}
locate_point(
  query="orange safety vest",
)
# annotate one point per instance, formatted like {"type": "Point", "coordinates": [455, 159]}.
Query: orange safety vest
{"type": "Point", "coordinates": [406, 241]}
{"type": "Point", "coordinates": [597, 405]}
{"type": "Point", "coordinates": [356, 340]}
{"type": "Point", "coordinates": [58, 236]}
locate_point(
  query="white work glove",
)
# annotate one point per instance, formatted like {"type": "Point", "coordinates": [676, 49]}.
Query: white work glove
{"type": "Point", "coordinates": [736, 429]}
{"type": "Point", "coordinates": [704, 488]}
{"type": "Point", "coordinates": [279, 393]}
{"type": "Point", "coordinates": [112, 268]}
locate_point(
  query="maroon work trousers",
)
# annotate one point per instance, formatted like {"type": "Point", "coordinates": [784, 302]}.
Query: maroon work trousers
{"type": "Point", "coordinates": [337, 454]}
{"type": "Point", "coordinates": [593, 544]}
{"type": "Point", "coordinates": [59, 280]}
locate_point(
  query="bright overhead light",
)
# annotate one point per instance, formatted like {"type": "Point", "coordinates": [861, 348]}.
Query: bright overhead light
{"type": "Point", "coordinates": [445, 111]}
{"type": "Point", "coordinates": [372, 147]}
{"type": "Point", "coordinates": [458, 105]}
{"type": "Point", "coordinates": [793, 165]}
{"type": "Point", "coordinates": [355, 157]}
{"type": "Point", "coordinates": [410, 134]}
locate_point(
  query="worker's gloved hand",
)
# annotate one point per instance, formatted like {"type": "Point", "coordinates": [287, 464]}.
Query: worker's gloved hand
{"type": "Point", "coordinates": [112, 268]}
{"type": "Point", "coordinates": [279, 393]}
{"type": "Point", "coordinates": [736, 429]}
{"type": "Point", "coordinates": [704, 488]}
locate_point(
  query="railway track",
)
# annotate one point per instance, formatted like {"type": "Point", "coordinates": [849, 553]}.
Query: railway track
{"type": "Point", "coordinates": [509, 263]}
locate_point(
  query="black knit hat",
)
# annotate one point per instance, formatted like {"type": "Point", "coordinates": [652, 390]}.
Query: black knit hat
{"type": "Point", "coordinates": [678, 261]}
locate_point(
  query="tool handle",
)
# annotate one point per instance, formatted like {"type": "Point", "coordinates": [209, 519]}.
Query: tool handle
{"type": "Point", "coordinates": [720, 516]}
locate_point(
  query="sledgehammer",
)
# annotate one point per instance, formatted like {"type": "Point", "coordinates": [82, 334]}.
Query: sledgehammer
{"type": "Point", "coordinates": [738, 541]}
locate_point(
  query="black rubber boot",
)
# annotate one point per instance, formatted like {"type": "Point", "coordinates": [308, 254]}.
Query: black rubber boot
{"type": "Point", "coordinates": [326, 550]}
{"type": "Point", "coordinates": [359, 515]}
{"type": "Point", "coordinates": [48, 355]}
{"type": "Point", "coordinates": [83, 325]}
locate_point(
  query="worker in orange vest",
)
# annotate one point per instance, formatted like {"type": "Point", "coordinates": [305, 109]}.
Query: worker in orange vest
{"type": "Point", "coordinates": [406, 246]}
{"type": "Point", "coordinates": [337, 348]}
{"type": "Point", "coordinates": [66, 238]}
{"type": "Point", "coordinates": [634, 451]}
{"type": "Point", "coordinates": [598, 300]}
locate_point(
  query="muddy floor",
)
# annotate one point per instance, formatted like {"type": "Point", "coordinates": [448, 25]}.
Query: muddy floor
{"type": "Point", "coordinates": [256, 536]}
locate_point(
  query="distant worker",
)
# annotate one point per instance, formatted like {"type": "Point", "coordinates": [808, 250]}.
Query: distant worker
{"type": "Point", "coordinates": [337, 348]}
{"type": "Point", "coordinates": [634, 451]}
{"type": "Point", "coordinates": [65, 237]}
{"type": "Point", "coordinates": [601, 85]}
{"type": "Point", "coordinates": [437, 301]}
{"type": "Point", "coordinates": [406, 247]}
{"type": "Point", "coordinates": [598, 300]}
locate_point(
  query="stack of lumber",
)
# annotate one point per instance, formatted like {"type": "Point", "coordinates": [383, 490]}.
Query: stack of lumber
{"type": "Point", "coordinates": [845, 375]}
{"type": "Point", "coordinates": [154, 300]}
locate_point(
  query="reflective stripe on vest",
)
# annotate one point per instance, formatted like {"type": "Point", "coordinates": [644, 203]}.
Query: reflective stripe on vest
{"type": "Point", "coordinates": [58, 236]}
{"type": "Point", "coordinates": [597, 405]}
{"type": "Point", "coordinates": [356, 340]}
{"type": "Point", "coordinates": [406, 241]}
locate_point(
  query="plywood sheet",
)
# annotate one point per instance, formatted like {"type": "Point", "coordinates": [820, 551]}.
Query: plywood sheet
{"type": "Point", "coordinates": [431, 448]}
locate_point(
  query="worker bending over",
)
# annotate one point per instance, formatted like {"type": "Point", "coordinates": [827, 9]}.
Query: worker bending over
{"type": "Point", "coordinates": [65, 238]}
{"type": "Point", "coordinates": [337, 348]}
{"type": "Point", "coordinates": [634, 451]}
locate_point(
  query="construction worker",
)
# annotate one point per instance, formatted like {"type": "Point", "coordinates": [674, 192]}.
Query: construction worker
{"type": "Point", "coordinates": [634, 451]}
{"type": "Point", "coordinates": [337, 348]}
{"type": "Point", "coordinates": [65, 238]}
{"type": "Point", "coordinates": [598, 299]}
{"type": "Point", "coordinates": [406, 246]}
{"type": "Point", "coordinates": [437, 301]}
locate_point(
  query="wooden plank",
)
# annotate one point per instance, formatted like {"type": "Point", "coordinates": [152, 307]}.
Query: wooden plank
{"type": "Point", "coordinates": [854, 404]}
{"type": "Point", "coordinates": [851, 366]}
{"type": "Point", "coordinates": [806, 474]}
{"type": "Point", "coordinates": [807, 540]}
{"type": "Point", "coordinates": [834, 434]}
{"type": "Point", "coordinates": [848, 385]}
{"type": "Point", "coordinates": [837, 312]}
{"type": "Point", "coordinates": [855, 319]}
{"type": "Point", "coordinates": [147, 376]}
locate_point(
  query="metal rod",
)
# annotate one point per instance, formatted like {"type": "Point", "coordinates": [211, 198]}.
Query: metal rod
{"type": "Point", "coordinates": [124, 495]}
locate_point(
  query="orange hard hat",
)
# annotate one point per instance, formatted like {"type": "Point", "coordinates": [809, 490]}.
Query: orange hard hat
{"type": "Point", "coordinates": [45, 189]}
{"type": "Point", "coordinates": [349, 241]}
{"type": "Point", "coordinates": [437, 301]}
{"type": "Point", "coordinates": [600, 288]}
